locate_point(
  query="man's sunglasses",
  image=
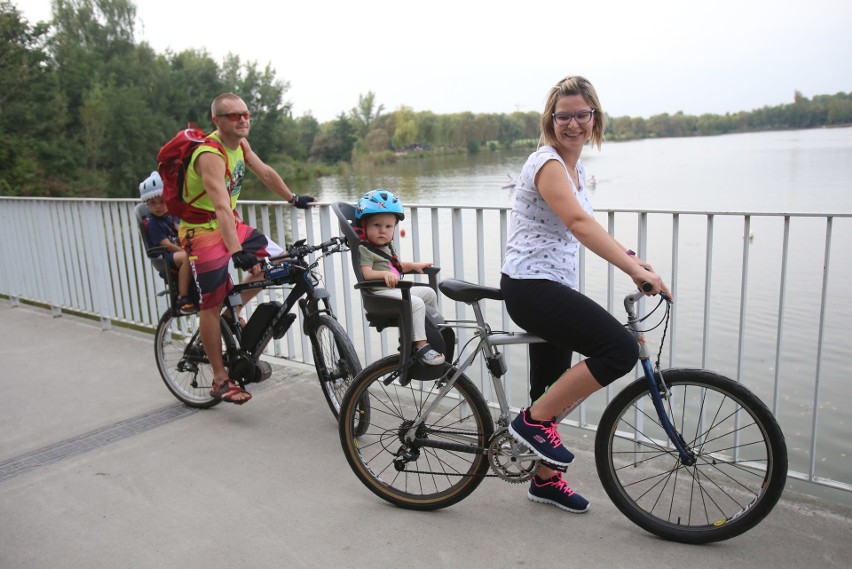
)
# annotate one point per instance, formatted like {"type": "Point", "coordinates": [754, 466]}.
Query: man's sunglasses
{"type": "Point", "coordinates": [234, 117]}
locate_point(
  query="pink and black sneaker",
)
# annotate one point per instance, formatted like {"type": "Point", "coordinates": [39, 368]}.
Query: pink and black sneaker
{"type": "Point", "coordinates": [542, 438]}
{"type": "Point", "coordinates": [557, 493]}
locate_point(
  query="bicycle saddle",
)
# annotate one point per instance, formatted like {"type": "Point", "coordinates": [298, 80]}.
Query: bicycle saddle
{"type": "Point", "coordinates": [463, 291]}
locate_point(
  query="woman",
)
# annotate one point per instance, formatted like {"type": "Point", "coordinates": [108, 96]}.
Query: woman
{"type": "Point", "coordinates": [551, 217]}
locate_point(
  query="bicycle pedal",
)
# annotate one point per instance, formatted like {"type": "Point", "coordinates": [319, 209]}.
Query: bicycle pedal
{"type": "Point", "coordinates": [552, 466]}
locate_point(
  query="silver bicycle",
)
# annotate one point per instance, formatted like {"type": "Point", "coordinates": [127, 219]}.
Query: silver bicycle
{"type": "Point", "coordinates": [686, 454]}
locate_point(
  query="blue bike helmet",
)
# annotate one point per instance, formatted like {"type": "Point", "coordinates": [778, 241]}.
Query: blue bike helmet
{"type": "Point", "coordinates": [379, 201]}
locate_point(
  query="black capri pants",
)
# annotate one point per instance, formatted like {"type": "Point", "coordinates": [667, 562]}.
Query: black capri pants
{"type": "Point", "coordinates": [569, 321]}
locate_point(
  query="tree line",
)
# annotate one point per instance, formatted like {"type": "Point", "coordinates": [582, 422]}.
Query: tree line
{"type": "Point", "coordinates": [84, 108]}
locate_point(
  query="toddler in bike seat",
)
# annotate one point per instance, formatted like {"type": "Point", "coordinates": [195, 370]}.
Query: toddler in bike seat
{"type": "Point", "coordinates": [377, 215]}
{"type": "Point", "coordinates": [161, 229]}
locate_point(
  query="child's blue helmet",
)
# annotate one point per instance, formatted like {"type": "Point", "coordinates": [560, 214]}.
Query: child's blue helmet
{"type": "Point", "coordinates": [379, 201]}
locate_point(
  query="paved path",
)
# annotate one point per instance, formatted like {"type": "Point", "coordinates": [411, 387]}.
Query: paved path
{"type": "Point", "coordinates": [101, 468]}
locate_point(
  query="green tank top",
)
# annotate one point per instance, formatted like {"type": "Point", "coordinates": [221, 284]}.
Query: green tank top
{"type": "Point", "coordinates": [195, 185]}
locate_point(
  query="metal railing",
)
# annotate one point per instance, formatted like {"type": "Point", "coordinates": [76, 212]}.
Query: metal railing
{"type": "Point", "coordinates": [760, 297]}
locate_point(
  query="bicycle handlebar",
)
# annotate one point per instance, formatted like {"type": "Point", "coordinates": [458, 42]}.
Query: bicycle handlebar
{"type": "Point", "coordinates": [638, 294]}
{"type": "Point", "coordinates": [299, 249]}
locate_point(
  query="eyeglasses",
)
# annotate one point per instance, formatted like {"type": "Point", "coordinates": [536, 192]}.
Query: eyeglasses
{"type": "Point", "coordinates": [563, 119]}
{"type": "Point", "coordinates": [234, 117]}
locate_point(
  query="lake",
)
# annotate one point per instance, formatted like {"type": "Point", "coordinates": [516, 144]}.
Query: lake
{"type": "Point", "coordinates": [781, 171]}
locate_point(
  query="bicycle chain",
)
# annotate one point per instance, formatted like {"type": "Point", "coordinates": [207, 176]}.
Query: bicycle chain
{"type": "Point", "coordinates": [502, 445]}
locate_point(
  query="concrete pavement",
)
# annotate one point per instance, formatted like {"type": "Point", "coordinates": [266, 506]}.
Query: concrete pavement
{"type": "Point", "coordinates": [100, 467]}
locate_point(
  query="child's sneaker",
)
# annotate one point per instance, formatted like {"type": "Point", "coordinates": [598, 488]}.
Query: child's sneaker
{"type": "Point", "coordinates": [186, 306]}
{"type": "Point", "coordinates": [542, 438]}
{"type": "Point", "coordinates": [428, 356]}
{"type": "Point", "coordinates": [557, 493]}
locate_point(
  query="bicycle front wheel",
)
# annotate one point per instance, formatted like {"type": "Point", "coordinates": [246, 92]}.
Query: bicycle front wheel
{"type": "Point", "coordinates": [741, 458]}
{"type": "Point", "coordinates": [335, 359]}
{"type": "Point", "coordinates": [432, 465]}
{"type": "Point", "coordinates": [182, 362]}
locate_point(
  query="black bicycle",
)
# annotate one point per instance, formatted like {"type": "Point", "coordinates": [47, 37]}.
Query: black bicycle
{"type": "Point", "coordinates": [183, 362]}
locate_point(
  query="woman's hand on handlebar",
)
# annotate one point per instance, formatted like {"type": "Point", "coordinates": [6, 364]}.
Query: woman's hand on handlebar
{"type": "Point", "coordinates": [651, 283]}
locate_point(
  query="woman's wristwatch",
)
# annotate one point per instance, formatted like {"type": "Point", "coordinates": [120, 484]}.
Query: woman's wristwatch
{"type": "Point", "coordinates": [630, 253]}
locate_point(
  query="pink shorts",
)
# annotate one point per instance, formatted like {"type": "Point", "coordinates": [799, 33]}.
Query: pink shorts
{"type": "Point", "coordinates": [209, 259]}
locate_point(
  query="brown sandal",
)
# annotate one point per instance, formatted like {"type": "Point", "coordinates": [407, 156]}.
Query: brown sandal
{"type": "Point", "coordinates": [228, 391]}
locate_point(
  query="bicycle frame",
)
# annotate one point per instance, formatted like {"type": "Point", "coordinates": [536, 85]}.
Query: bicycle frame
{"type": "Point", "coordinates": [487, 345]}
{"type": "Point", "coordinates": [305, 293]}
{"type": "Point", "coordinates": [305, 286]}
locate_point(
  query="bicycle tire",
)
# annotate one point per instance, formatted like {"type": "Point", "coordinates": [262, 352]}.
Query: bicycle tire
{"type": "Point", "coordinates": [433, 478]}
{"type": "Point", "coordinates": [741, 466]}
{"type": "Point", "coordinates": [190, 380]}
{"type": "Point", "coordinates": [335, 360]}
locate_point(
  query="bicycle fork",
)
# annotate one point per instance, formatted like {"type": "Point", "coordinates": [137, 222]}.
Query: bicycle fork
{"type": "Point", "coordinates": [657, 391]}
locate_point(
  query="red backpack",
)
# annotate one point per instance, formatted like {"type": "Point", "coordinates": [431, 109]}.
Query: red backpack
{"type": "Point", "coordinates": [173, 160]}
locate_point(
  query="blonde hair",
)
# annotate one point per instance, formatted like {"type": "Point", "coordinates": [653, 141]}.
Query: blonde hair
{"type": "Point", "coordinates": [572, 85]}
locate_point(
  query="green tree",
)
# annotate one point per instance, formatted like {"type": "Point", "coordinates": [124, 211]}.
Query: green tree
{"type": "Point", "coordinates": [33, 151]}
{"type": "Point", "coordinates": [335, 141]}
{"type": "Point", "coordinates": [365, 113]}
{"type": "Point", "coordinates": [405, 128]}
{"type": "Point", "coordinates": [511, 128]}
{"type": "Point", "coordinates": [183, 85]}
{"type": "Point", "coordinates": [308, 127]}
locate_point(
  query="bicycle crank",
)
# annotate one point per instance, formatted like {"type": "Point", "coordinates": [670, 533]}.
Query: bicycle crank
{"type": "Point", "coordinates": [511, 460]}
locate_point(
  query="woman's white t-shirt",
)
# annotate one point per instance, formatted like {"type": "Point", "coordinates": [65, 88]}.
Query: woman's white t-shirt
{"type": "Point", "coordinates": [539, 245]}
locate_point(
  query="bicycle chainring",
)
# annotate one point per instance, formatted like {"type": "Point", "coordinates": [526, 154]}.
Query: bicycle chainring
{"type": "Point", "coordinates": [511, 460]}
{"type": "Point", "coordinates": [241, 367]}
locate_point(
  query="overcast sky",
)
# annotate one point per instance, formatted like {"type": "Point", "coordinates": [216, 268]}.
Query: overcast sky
{"type": "Point", "coordinates": [644, 57]}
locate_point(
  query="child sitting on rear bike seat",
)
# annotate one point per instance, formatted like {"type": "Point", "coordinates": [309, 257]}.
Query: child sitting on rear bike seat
{"type": "Point", "coordinates": [161, 229]}
{"type": "Point", "coordinates": [377, 215]}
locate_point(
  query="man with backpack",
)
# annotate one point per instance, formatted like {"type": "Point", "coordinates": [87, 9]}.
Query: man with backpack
{"type": "Point", "coordinates": [217, 236]}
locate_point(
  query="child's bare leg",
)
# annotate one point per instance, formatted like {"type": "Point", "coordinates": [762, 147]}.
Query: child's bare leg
{"type": "Point", "coordinates": [183, 273]}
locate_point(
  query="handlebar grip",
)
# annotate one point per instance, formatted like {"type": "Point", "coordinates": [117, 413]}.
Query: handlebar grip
{"type": "Point", "coordinates": [333, 242]}
{"type": "Point", "coordinates": [647, 287]}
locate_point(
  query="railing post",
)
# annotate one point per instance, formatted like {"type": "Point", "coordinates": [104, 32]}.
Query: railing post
{"type": "Point", "coordinates": [708, 282]}
{"type": "Point", "coordinates": [820, 338]}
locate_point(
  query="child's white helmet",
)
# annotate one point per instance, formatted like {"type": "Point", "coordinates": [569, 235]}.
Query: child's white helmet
{"type": "Point", "coordinates": [151, 187]}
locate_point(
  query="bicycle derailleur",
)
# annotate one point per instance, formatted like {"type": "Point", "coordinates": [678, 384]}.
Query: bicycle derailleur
{"type": "Point", "coordinates": [407, 452]}
{"type": "Point", "coordinates": [510, 460]}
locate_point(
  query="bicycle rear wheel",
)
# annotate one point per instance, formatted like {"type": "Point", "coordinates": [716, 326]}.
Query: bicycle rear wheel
{"type": "Point", "coordinates": [335, 359]}
{"type": "Point", "coordinates": [182, 362]}
{"type": "Point", "coordinates": [741, 458]}
{"type": "Point", "coordinates": [446, 460]}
